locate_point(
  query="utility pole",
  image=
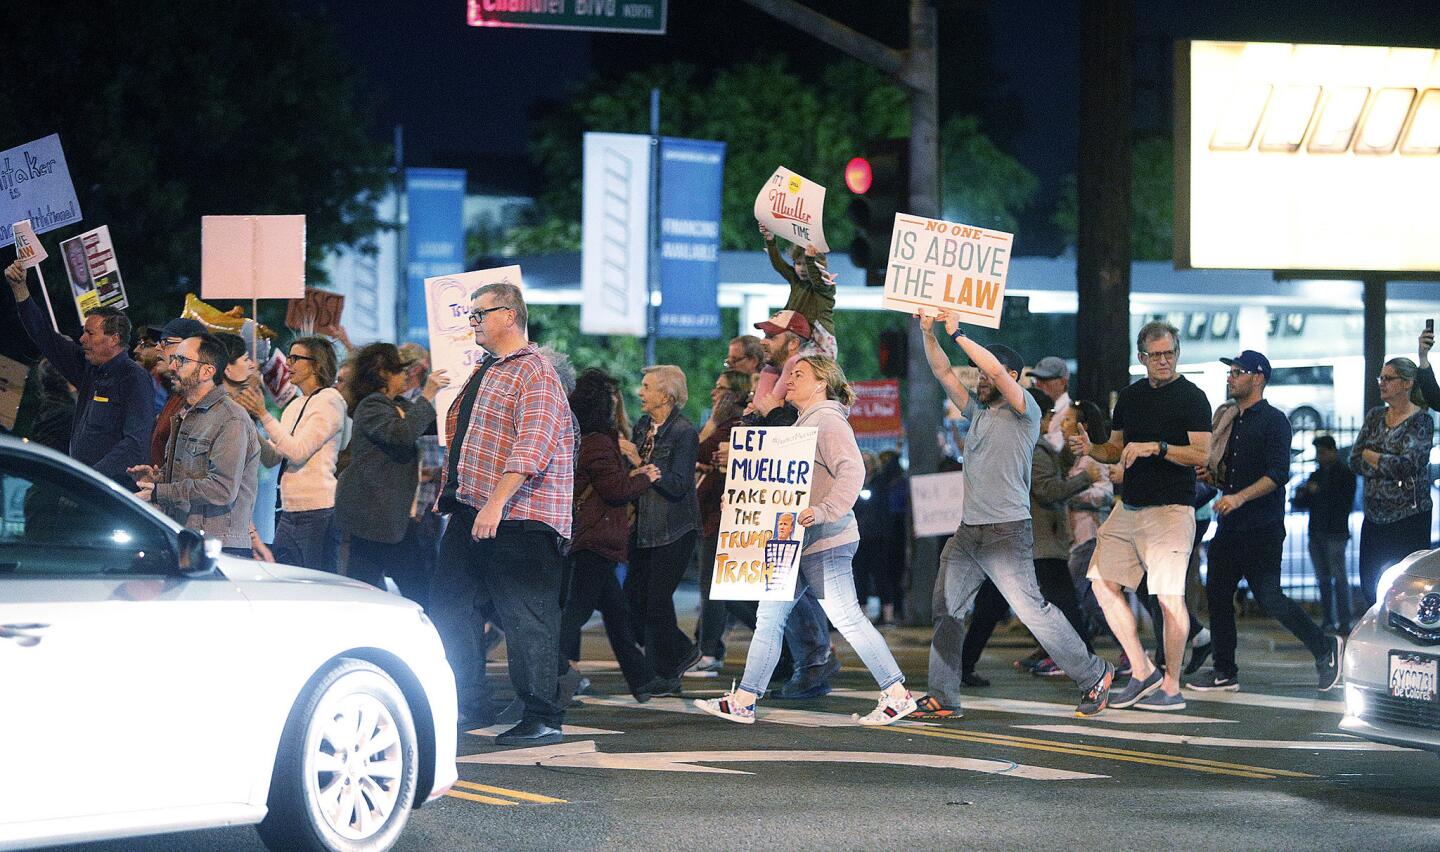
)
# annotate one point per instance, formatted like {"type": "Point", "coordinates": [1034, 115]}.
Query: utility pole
{"type": "Point", "coordinates": [915, 68]}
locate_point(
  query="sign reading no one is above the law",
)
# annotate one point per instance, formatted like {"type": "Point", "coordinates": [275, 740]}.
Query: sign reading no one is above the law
{"type": "Point", "coordinates": [612, 16]}
{"type": "Point", "coordinates": [947, 266]}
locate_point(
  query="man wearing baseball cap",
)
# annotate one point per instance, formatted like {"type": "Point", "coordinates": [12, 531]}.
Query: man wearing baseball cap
{"type": "Point", "coordinates": [1052, 376]}
{"type": "Point", "coordinates": [1250, 533]}
{"type": "Point", "coordinates": [786, 335]}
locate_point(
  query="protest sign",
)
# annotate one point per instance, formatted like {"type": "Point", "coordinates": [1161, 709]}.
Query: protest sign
{"type": "Point", "coordinates": [792, 208]}
{"type": "Point", "coordinates": [94, 272]}
{"type": "Point", "coordinates": [452, 341]}
{"type": "Point", "coordinates": [12, 390]}
{"type": "Point", "coordinates": [252, 257]}
{"type": "Point", "coordinates": [318, 313]}
{"type": "Point", "coordinates": [27, 246]}
{"type": "Point", "coordinates": [757, 556]}
{"type": "Point", "coordinates": [876, 412]}
{"type": "Point", "coordinates": [937, 502]}
{"type": "Point", "coordinates": [946, 266]}
{"type": "Point", "coordinates": [35, 186]}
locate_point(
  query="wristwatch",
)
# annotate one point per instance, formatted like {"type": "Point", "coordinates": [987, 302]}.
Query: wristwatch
{"type": "Point", "coordinates": [1164, 448]}
{"type": "Point", "coordinates": [956, 335]}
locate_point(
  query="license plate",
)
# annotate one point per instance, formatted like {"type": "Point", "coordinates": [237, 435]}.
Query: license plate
{"type": "Point", "coordinates": [1413, 676]}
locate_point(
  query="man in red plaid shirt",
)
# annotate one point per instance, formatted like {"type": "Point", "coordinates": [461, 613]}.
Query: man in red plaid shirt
{"type": "Point", "coordinates": [508, 487]}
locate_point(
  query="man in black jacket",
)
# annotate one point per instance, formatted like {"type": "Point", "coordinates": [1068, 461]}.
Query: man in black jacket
{"type": "Point", "coordinates": [1329, 495]}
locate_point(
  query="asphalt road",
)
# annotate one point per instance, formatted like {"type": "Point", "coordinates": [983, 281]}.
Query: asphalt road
{"type": "Point", "coordinates": [1265, 768]}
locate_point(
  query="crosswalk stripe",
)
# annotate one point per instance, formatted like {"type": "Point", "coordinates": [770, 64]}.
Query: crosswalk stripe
{"type": "Point", "coordinates": [487, 800]}
{"type": "Point", "coordinates": [514, 794]}
{"type": "Point", "coordinates": [1278, 702]}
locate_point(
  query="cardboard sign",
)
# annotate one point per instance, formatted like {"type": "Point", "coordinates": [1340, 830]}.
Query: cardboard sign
{"type": "Point", "coordinates": [35, 186]}
{"type": "Point", "coordinates": [757, 557]}
{"type": "Point", "coordinates": [252, 257]}
{"type": "Point", "coordinates": [27, 246]}
{"type": "Point", "coordinates": [937, 502]}
{"type": "Point", "coordinates": [876, 412]}
{"type": "Point", "coordinates": [12, 390]}
{"type": "Point", "coordinates": [452, 341]}
{"type": "Point", "coordinates": [318, 313]}
{"type": "Point", "coordinates": [945, 266]}
{"type": "Point", "coordinates": [793, 209]}
{"type": "Point", "coordinates": [94, 272]}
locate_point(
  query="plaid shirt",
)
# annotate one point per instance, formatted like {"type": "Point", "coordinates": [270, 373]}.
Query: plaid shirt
{"type": "Point", "coordinates": [521, 423]}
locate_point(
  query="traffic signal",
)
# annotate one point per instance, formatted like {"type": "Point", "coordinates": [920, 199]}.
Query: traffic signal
{"type": "Point", "coordinates": [879, 184]}
{"type": "Point", "coordinates": [893, 352]}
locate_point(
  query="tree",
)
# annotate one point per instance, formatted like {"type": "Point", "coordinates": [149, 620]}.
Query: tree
{"type": "Point", "coordinates": [167, 115]}
{"type": "Point", "coordinates": [979, 183]}
{"type": "Point", "coordinates": [1152, 201]}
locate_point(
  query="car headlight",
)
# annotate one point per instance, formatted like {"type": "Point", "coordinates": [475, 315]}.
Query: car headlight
{"type": "Point", "coordinates": [1354, 701]}
{"type": "Point", "coordinates": [1387, 579]}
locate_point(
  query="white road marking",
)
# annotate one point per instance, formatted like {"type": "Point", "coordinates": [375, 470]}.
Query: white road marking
{"type": "Point", "coordinates": [1278, 702]}
{"type": "Point", "coordinates": [567, 730]}
{"type": "Point", "coordinates": [585, 755]}
{"type": "Point", "coordinates": [1066, 711]}
{"type": "Point", "coordinates": [1221, 742]}
{"type": "Point", "coordinates": [763, 713]}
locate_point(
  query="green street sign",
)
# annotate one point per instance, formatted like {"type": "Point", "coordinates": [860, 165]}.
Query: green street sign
{"type": "Point", "coordinates": [606, 16]}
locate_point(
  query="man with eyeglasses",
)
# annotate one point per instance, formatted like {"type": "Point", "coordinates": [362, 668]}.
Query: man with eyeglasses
{"type": "Point", "coordinates": [114, 408]}
{"type": "Point", "coordinates": [1160, 433]}
{"type": "Point", "coordinates": [171, 336]}
{"type": "Point", "coordinates": [746, 355]}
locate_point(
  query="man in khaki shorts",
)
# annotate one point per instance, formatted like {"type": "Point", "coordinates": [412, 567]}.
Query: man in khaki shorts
{"type": "Point", "coordinates": [1160, 432]}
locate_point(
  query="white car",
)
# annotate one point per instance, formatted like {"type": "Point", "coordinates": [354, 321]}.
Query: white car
{"type": "Point", "coordinates": [149, 683]}
{"type": "Point", "coordinates": [1392, 660]}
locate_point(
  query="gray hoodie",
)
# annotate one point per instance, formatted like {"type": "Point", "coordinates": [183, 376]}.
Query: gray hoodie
{"type": "Point", "coordinates": [839, 475]}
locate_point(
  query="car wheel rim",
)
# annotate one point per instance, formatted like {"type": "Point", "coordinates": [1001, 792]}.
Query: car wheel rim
{"type": "Point", "coordinates": [357, 767]}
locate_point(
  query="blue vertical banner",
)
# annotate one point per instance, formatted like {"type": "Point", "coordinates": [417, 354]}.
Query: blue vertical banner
{"type": "Point", "coordinates": [692, 174]}
{"type": "Point", "coordinates": [435, 236]}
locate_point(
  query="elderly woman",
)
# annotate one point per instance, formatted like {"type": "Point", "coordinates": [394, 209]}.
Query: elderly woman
{"type": "Point", "coordinates": [819, 391]}
{"type": "Point", "coordinates": [1392, 453]}
{"type": "Point", "coordinates": [666, 521]}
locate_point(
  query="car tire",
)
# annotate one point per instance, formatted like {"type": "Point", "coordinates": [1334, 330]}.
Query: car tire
{"type": "Point", "coordinates": [345, 772]}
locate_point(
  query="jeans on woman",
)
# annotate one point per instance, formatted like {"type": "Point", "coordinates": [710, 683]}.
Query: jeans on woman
{"type": "Point", "coordinates": [840, 604]}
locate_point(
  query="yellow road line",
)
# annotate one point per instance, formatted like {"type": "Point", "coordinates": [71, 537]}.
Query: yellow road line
{"type": "Point", "coordinates": [1196, 760]}
{"type": "Point", "coordinates": [514, 794]}
{"type": "Point", "coordinates": [488, 800]}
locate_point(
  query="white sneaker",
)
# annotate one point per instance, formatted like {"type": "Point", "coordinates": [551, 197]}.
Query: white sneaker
{"type": "Point", "coordinates": [705, 667]}
{"type": "Point", "coordinates": [888, 711]}
{"type": "Point", "coordinates": [726, 708]}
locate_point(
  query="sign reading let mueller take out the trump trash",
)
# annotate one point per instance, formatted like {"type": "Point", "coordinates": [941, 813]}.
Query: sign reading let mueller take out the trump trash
{"type": "Point", "coordinates": [947, 266]}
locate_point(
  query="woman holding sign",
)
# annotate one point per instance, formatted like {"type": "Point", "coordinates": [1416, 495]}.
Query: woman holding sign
{"type": "Point", "coordinates": [819, 391]}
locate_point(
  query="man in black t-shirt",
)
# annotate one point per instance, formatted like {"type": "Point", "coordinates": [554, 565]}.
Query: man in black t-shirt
{"type": "Point", "coordinates": [1161, 431]}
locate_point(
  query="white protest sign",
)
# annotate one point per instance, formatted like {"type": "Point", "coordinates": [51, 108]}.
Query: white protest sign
{"type": "Point", "coordinates": [792, 208]}
{"type": "Point", "coordinates": [946, 266]}
{"type": "Point", "coordinates": [27, 246]}
{"type": "Point", "coordinates": [757, 556]}
{"type": "Point", "coordinates": [937, 502]}
{"type": "Point", "coordinates": [94, 272]}
{"type": "Point", "coordinates": [252, 257]}
{"type": "Point", "coordinates": [452, 340]}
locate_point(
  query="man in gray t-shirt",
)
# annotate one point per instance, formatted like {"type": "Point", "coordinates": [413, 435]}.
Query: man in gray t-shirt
{"type": "Point", "coordinates": [995, 539]}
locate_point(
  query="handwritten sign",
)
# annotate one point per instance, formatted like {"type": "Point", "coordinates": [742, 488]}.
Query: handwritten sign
{"type": "Point", "coordinates": [94, 272]}
{"type": "Point", "coordinates": [792, 208]}
{"type": "Point", "coordinates": [252, 257]}
{"type": "Point", "coordinates": [876, 412]}
{"type": "Point", "coordinates": [452, 340]}
{"type": "Point", "coordinates": [937, 502]}
{"type": "Point", "coordinates": [757, 556]}
{"type": "Point", "coordinates": [318, 313]}
{"type": "Point", "coordinates": [945, 266]}
{"type": "Point", "coordinates": [12, 389]}
{"type": "Point", "coordinates": [27, 246]}
{"type": "Point", "coordinates": [35, 186]}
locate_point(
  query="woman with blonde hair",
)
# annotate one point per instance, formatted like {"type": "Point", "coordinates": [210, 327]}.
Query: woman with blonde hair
{"type": "Point", "coordinates": [819, 391]}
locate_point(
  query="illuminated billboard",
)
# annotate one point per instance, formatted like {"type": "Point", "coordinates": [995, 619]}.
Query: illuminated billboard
{"type": "Point", "coordinates": [1307, 157]}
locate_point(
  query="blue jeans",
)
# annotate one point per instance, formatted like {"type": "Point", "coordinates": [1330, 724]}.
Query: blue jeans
{"type": "Point", "coordinates": [1003, 553]}
{"type": "Point", "coordinates": [840, 604]}
{"type": "Point", "coordinates": [1327, 555]}
{"type": "Point", "coordinates": [303, 539]}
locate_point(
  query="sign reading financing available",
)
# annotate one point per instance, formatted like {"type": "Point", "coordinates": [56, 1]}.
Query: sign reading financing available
{"type": "Point", "coordinates": [94, 272]}
{"type": "Point", "coordinates": [757, 556]}
{"type": "Point", "coordinates": [35, 186]}
{"type": "Point", "coordinates": [252, 257]}
{"type": "Point", "coordinates": [947, 266]}
{"type": "Point", "coordinates": [876, 412]}
{"type": "Point", "coordinates": [452, 341]}
{"type": "Point", "coordinates": [614, 230]}
{"type": "Point", "coordinates": [792, 208]}
{"type": "Point", "coordinates": [692, 176]}
{"type": "Point", "coordinates": [937, 502]}
{"type": "Point", "coordinates": [646, 17]}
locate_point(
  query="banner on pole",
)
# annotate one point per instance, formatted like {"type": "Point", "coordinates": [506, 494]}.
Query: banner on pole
{"type": "Point", "coordinates": [946, 266]}
{"type": "Point", "coordinates": [252, 257]}
{"type": "Point", "coordinates": [94, 272]}
{"type": "Point", "coordinates": [435, 237]}
{"type": "Point", "coordinates": [937, 502]}
{"type": "Point", "coordinates": [793, 209]}
{"type": "Point", "coordinates": [35, 186]}
{"type": "Point", "coordinates": [452, 340]}
{"type": "Point", "coordinates": [615, 228]}
{"type": "Point", "coordinates": [692, 177]}
{"type": "Point", "coordinates": [757, 556]}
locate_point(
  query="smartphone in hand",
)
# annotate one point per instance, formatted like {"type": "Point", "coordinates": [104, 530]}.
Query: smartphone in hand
{"type": "Point", "coordinates": [1430, 325]}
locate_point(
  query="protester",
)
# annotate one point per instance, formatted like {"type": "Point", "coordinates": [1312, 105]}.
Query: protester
{"type": "Point", "coordinates": [821, 394]}
{"type": "Point", "coordinates": [114, 412]}
{"type": "Point", "coordinates": [1250, 533]}
{"type": "Point", "coordinates": [1089, 508]}
{"type": "Point", "coordinates": [305, 442]}
{"type": "Point", "coordinates": [787, 334]}
{"type": "Point", "coordinates": [55, 420]}
{"type": "Point", "coordinates": [1052, 376]}
{"type": "Point", "coordinates": [745, 354]}
{"type": "Point", "coordinates": [996, 540]}
{"type": "Point", "coordinates": [172, 335]}
{"type": "Point", "coordinates": [812, 289]}
{"type": "Point", "coordinates": [374, 493]}
{"type": "Point", "coordinates": [509, 489]}
{"type": "Point", "coordinates": [1160, 433]}
{"type": "Point", "coordinates": [1328, 496]}
{"type": "Point", "coordinates": [1424, 375]}
{"type": "Point", "coordinates": [727, 400]}
{"type": "Point", "coordinates": [152, 357]}
{"type": "Point", "coordinates": [239, 375]}
{"type": "Point", "coordinates": [414, 579]}
{"type": "Point", "coordinates": [211, 467]}
{"type": "Point", "coordinates": [1392, 454]}
{"type": "Point", "coordinates": [666, 521]}
{"type": "Point", "coordinates": [604, 491]}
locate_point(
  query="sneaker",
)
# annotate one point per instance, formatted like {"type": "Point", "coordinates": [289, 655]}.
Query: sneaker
{"type": "Point", "coordinates": [1047, 668]}
{"type": "Point", "coordinates": [888, 711]}
{"type": "Point", "coordinates": [793, 691]}
{"type": "Point", "coordinates": [662, 686]}
{"type": "Point", "coordinates": [1122, 665]}
{"type": "Point", "coordinates": [1161, 702]}
{"type": "Point", "coordinates": [929, 707]}
{"type": "Point", "coordinates": [1028, 664]}
{"type": "Point", "coordinates": [1199, 653]}
{"type": "Point", "coordinates": [707, 666]}
{"type": "Point", "coordinates": [1327, 670]}
{"type": "Point", "coordinates": [1136, 689]}
{"type": "Point", "coordinates": [972, 679]}
{"type": "Point", "coordinates": [690, 660]}
{"type": "Point", "coordinates": [1097, 697]}
{"type": "Point", "coordinates": [1213, 681]}
{"type": "Point", "coordinates": [726, 708]}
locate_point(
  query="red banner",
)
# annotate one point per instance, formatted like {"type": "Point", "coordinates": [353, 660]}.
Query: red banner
{"type": "Point", "coordinates": [876, 412]}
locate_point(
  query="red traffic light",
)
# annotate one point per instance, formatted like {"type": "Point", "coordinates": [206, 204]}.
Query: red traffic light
{"type": "Point", "coordinates": [858, 175]}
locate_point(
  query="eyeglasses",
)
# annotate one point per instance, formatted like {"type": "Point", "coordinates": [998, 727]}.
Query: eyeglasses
{"type": "Point", "coordinates": [181, 360]}
{"type": "Point", "coordinates": [294, 357]}
{"type": "Point", "coordinates": [1236, 373]}
{"type": "Point", "coordinates": [1163, 355]}
{"type": "Point", "coordinates": [477, 317]}
{"type": "Point", "coordinates": [1382, 381]}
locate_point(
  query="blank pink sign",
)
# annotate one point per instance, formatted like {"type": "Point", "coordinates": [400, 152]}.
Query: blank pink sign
{"type": "Point", "coordinates": [252, 257]}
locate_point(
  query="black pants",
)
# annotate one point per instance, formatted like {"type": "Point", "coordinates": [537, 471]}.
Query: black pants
{"type": "Point", "coordinates": [413, 574]}
{"type": "Point", "coordinates": [650, 591]}
{"type": "Point", "coordinates": [715, 616]}
{"type": "Point", "coordinates": [1382, 545]}
{"type": "Point", "coordinates": [370, 560]}
{"type": "Point", "coordinates": [990, 607]}
{"type": "Point", "coordinates": [1253, 554]}
{"type": "Point", "coordinates": [303, 538]}
{"type": "Point", "coordinates": [1056, 587]}
{"type": "Point", "coordinates": [593, 586]}
{"type": "Point", "coordinates": [519, 572]}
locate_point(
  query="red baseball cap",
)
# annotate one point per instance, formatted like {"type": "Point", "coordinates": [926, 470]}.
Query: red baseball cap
{"type": "Point", "coordinates": [791, 321]}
